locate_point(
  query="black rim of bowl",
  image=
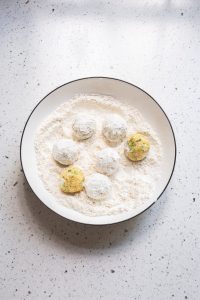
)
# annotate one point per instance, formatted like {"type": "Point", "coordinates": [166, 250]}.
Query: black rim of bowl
{"type": "Point", "coordinates": [123, 81]}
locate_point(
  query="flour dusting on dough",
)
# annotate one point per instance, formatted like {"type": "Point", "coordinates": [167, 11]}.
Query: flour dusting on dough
{"type": "Point", "coordinates": [132, 185]}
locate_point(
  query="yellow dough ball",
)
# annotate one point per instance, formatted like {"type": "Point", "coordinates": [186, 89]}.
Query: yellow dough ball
{"type": "Point", "coordinates": [73, 179]}
{"type": "Point", "coordinates": [137, 147]}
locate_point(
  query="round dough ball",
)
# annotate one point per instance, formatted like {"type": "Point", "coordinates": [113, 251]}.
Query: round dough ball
{"type": "Point", "coordinates": [114, 128]}
{"type": "Point", "coordinates": [83, 126]}
{"type": "Point", "coordinates": [72, 180]}
{"type": "Point", "coordinates": [65, 151]}
{"type": "Point", "coordinates": [137, 147]}
{"type": "Point", "coordinates": [107, 161]}
{"type": "Point", "coordinates": [97, 186]}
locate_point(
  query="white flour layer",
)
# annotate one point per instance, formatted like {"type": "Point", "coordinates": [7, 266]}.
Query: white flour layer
{"type": "Point", "coordinates": [132, 185]}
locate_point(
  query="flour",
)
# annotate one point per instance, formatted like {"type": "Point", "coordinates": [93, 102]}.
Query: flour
{"type": "Point", "coordinates": [132, 185]}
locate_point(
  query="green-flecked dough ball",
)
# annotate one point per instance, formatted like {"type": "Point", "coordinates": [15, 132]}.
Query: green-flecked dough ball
{"type": "Point", "coordinates": [137, 147]}
{"type": "Point", "coordinates": [72, 180]}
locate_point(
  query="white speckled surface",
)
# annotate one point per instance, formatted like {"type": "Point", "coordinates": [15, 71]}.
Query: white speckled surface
{"type": "Point", "coordinates": [155, 45]}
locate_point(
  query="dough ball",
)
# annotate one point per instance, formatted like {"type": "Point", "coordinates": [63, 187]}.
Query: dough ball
{"type": "Point", "coordinates": [72, 180]}
{"type": "Point", "coordinates": [137, 147]}
{"type": "Point", "coordinates": [114, 128]}
{"type": "Point", "coordinates": [65, 151]}
{"type": "Point", "coordinates": [97, 186]}
{"type": "Point", "coordinates": [83, 126]}
{"type": "Point", "coordinates": [107, 161]}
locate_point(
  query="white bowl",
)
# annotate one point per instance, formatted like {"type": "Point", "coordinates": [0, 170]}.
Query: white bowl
{"type": "Point", "coordinates": [123, 91]}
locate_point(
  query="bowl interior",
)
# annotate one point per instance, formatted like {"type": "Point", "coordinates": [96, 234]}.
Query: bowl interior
{"type": "Point", "coordinates": [123, 91]}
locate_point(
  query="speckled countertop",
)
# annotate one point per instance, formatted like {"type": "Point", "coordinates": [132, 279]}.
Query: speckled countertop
{"type": "Point", "coordinates": [155, 44]}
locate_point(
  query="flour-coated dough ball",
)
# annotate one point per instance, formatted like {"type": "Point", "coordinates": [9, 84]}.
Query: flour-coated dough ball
{"type": "Point", "coordinates": [84, 126]}
{"type": "Point", "coordinates": [97, 186]}
{"type": "Point", "coordinates": [65, 151]}
{"type": "Point", "coordinates": [107, 161]}
{"type": "Point", "coordinates": [114, 128]}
